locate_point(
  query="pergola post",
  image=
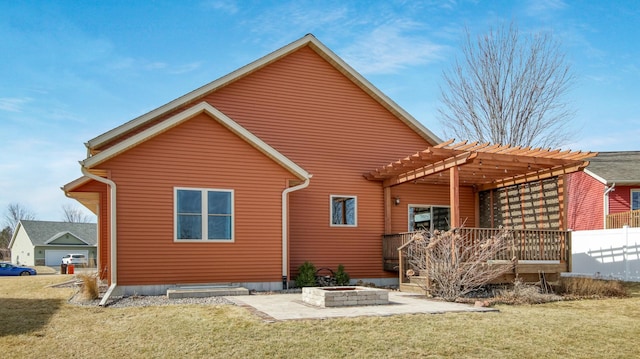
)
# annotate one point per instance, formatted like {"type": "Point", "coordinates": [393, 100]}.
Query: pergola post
{"type": "Point", "coordinates": [387, 210]}
{"type": "Point", "coordinates": [454, 196]}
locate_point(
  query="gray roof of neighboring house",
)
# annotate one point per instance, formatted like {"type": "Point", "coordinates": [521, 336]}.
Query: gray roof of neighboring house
{"type": "Point", "coordinates": [41, 231]}
{"type": "Point", "coordinates": [621, 168]}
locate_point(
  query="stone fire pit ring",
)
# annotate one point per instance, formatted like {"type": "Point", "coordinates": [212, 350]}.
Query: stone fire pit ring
{"type": "Point", "coordinates": [344, 296]}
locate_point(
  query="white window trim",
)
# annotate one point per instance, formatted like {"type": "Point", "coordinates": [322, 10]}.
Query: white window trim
{"type": "Point", "coordinates": [203, 193]}
{"type": "Point", "coordinates": [409, 206]}
{"type": "Point", "coordinates": [355, 211]}
{"type": "Point", "coordinates": [631, 197]}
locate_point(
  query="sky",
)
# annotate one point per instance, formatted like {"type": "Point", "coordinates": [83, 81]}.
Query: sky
{"type": "Point", "coordinates": [72, 70]}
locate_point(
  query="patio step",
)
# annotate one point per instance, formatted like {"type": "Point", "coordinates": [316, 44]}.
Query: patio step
{"type": "Point", "coordinates": [205, 291]}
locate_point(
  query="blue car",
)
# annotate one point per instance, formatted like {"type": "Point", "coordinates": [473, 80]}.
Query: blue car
{"type": "Point", "coordinates": [10, 269]}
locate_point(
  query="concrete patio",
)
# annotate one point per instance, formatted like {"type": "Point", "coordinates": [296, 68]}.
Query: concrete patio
{"type": "Point", "coordinates": [274, 307]}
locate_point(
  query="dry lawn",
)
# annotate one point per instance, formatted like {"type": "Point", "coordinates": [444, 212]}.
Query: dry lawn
{"type": "Point", "coordinates": [38, 322]}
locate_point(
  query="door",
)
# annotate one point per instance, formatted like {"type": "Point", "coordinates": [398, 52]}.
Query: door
{"type": "Point", "coordinates": [428, 218]}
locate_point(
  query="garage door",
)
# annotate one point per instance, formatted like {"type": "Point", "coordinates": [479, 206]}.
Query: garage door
{"type": "Point", "coordinates": [53, 257]}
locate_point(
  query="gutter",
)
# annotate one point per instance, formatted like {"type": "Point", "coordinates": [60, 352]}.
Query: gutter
{"type": "Point", "coordinates": [606, 202]}
{"type": "Point", "coordinates": [113, 224]}
{"type": "Point", "coordinates": [285, 228]}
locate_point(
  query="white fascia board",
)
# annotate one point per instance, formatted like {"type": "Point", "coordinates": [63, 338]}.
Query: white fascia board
{"type": "Point", "coordinates": [75, 184]}
{"type": "Point", "coordinates": [56, 236]}
{"type": "Point", "coordinates": [187, 114]}
{"type": "Point", "coordinates": [598, 178]}
{"type": "Point", "coordinates": [320, 48]}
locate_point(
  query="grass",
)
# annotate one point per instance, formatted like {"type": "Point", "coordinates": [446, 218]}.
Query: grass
{"type": "Point", "coordinates": [37, 321]}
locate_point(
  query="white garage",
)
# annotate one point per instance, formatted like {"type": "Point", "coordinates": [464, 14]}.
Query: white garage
{"type": "Point", "coordinates": [37, 243]}
{"type": "Point", "coordinates": [53, 257]}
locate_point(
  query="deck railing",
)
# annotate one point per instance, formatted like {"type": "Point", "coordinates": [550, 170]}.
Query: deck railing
{"type": "Point", "coordinates": [528, 244]}
{"type": "Point", "coordinates": [619, 220]}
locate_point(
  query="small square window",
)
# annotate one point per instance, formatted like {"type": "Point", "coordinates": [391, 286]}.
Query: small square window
{"type": "Point", "coordinates": [344, 211]}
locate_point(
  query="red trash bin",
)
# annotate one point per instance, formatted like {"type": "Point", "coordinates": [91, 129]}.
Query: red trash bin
{"type": "Point", "coordinates": [70, 269]}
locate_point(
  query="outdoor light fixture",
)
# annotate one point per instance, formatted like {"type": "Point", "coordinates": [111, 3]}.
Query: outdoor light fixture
{"type": "Point", "coordinates": [397, 201]}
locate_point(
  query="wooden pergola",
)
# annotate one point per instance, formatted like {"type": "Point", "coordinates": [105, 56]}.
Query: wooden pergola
{"type": "Point", "coordinates": [481, 165]}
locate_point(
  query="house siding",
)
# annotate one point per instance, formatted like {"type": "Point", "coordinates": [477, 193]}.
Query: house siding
{"type": "Point", "coordinates": [585, 202]}
{"type": "Point", "coordinates": [429, 194]}
{"type": "Point", "coordinates": [199, 153]}
{"type": "Point", "coordinates": [22, 250]}
{"type": "Point", "coordinates": [311, 113]}
{"type": "Point", "coordinates": [318, 118]}
{"type": "Point", "coordinates": [620, 199]}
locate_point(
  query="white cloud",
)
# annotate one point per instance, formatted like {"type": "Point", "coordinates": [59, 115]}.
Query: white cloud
{"type": "Point", "coordinates": [13, 104]}
{"type": "Point", "coordinates": [539, 7]}
{"type": "Point", "coordinates": [229, 7]}
{"type": "Point", "coordinates": [390, 48]}
{"type": "Point", "coordinates": [182, 69]}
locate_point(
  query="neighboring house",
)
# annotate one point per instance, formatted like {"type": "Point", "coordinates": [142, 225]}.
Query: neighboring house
{"type": "Point", "coordinates": [610, 184]}
{"type": "Point", "coordinates": [45, 243]}
{"type": "Point", "coordinates": [292, 158]}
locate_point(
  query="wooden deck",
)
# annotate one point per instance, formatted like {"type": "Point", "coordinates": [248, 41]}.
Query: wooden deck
{"type": "Point", "coordinates": [535, 251]}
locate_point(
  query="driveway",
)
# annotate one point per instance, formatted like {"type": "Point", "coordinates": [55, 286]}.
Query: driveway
{"type": "Point", "coordinates": [274, 307]}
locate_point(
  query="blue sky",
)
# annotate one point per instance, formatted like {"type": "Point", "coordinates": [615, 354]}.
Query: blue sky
{"type": "Point", "coordinates": [71, 70]}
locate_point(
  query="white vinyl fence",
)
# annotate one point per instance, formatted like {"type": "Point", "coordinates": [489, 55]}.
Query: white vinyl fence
{"type": "Point", "coordinates": [608, 253]}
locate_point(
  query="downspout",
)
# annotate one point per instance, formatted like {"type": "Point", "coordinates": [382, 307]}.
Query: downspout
{"type": "Point", "coordinates": [606, 203]}
{"type": "Point", "coordinates": [285, 229]}
{"type": "Point", "coordinates": [112, 222]}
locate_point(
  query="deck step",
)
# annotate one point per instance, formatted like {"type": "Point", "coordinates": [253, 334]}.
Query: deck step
{"type": "Point", "coordinates": [205, 291]}
{"type": "Point", "coordinates": [417, 280]}
{"type": "Point", "coordinates": [412, 288]}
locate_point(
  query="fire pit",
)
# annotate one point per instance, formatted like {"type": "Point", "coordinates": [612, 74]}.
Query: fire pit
{"type": "Point", "coordinates": [344, 296]}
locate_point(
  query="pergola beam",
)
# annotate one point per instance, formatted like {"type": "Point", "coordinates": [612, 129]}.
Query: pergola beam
{"type": "Point", "coordinates": [429, 169]}
{"type": "Point", "coordinates": [533, 176]}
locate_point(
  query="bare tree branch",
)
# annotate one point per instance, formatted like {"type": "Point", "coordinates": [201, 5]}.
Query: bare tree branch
{"type": "Point", "coordinates": [74, 215]}
{"type": "Point", "coordinates": [508, 89]}
{"type": "Point", "coordinates": [15, 213]}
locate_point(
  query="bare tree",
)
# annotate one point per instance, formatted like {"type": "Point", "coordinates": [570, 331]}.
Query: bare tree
{"type": "Point", "coordinates": [74, 214]}
{"type": "Point", "coordinates": [5, 237]}
{"type": "Point", "coordinates": [508, 89]}
{"type": "Point", "coordinates": [15, 213]}
{"type": "Point", "coordinates": [453, 265]}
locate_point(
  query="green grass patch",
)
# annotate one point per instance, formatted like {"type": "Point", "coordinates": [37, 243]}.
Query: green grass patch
{"type": "Point", "coordinates": [37, 321]}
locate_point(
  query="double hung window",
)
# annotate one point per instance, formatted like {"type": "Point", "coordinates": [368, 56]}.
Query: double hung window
{"type": "Point", "coordinates": [203, 214]}
{"type": "Point", "coordinates": [635, 199]}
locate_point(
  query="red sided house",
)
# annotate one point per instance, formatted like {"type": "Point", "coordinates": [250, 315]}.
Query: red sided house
{"type": "Point", "coordinates": [607, 193]}
{"type": "Point", "coordinates": [292, 158]}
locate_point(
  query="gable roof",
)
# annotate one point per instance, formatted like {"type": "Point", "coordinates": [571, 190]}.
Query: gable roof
{"type": "Point", "coordinates": [308, 40]}
{"type": "Point", "coordinates": [42, 232]}
{"type": "Point", "coordinates": [620, 167]}
{"type": "Point", "coordinates": [185, 115]}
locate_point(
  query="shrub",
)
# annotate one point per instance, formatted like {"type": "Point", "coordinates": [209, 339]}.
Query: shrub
{"type": "Point", "coordinates": [90, 289]}
{"type": "Point", "coordinates": [522, 293]}
{"type": "Point", "coordinates": [455, 264]}
{"type": "Point", "coordinates": [342, 277]}
{"type": "Point", "coordinates": [306, 275]}
{"type": "Point", "coordinates": [591, 287]}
